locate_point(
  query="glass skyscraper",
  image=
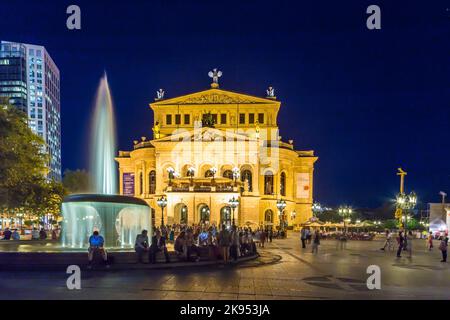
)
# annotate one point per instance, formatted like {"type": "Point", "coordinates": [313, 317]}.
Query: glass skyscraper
{"type": "Point", "coordinates": [30, 79]}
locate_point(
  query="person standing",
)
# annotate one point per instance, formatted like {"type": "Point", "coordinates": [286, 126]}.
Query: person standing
{"type": "Point", "coordinates": [303, 236]}
{"type": "Point", "coordinates": [316, 242]}
{"type": "Point", "coordinates": [443, 247]}
{"type": "Point", "coordinates": [141, 245]}
{"type": "Point", "coordinates": [270, 234]}
{"type": "Point", "coordinates": [224, 243]}
{"type": "Point", "coordinates": [401, 243]}
{"type": "Point", "coordinates": [234, 244]}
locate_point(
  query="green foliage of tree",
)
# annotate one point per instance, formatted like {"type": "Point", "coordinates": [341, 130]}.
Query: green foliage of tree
{"type": "Point", "coordinates": [77, 181]}
{"type": "Point", "coordinates": [23, 166]}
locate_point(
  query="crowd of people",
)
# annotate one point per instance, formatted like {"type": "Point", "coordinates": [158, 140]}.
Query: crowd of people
{"type": "Point", "coordinates": [36, 234]}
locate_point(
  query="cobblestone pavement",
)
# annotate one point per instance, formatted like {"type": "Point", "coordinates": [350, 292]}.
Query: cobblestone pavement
{"type": "Point", "coordinates": [284, 271]}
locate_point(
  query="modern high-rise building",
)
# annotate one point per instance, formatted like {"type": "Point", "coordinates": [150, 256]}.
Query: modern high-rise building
{"type": "Point", "coordinates": [30, 78]}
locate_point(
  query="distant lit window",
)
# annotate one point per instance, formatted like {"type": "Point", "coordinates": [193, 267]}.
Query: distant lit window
{"type": "Point", "coordinates": [261, 117]}
{"type": "Point", "coordinates": [242, 118]}
{"type": "Point", "coordinates": [187, 119]}
{"type": "Point", "coordinates": [251, 118]}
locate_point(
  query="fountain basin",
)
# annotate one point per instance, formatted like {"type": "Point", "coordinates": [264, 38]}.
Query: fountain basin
{"type": "Point", "coordinates": [117, 218]}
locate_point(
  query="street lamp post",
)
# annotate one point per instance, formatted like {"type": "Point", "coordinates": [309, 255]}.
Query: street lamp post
{"type": "Point", "coordinates": [234, 202]}
{"type": "Point", "coordinates": [407, 203]}
{"type": "Point", "coordinates": [281, 204]}
{"type": "Point", "coordinates": [345, 212]}
{"type": "Point", "coordinates": [162, 202]}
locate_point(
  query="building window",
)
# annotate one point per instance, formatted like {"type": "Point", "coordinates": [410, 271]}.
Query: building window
{"type": "Point", "coordinates": [187, 119]}
{"type": "Point", "coordinates": [152, 182]}
{"type": "Point", "coordinates": [283, 184]}
{"type": "Point", "coordinates": [223, 118]}
{"type": "Point", "coordinates": [251, 118]}
{"type": "Point", "coordinates": [141, 183]}
{"type": "Point", "coordinates": [261, 117]}
{"type": "Point", "coordinates": [178, 119]}
{"type": "Point", "coordinates": [168, 119]}
{"type": "Point", "coordinates": [241, 118]}
{"type": "Point", "coordinates": [214, 117]}
{"type": "Point", "coordinates": [246, 175]}
{"type": "Point", "coordinates": [268, 182]}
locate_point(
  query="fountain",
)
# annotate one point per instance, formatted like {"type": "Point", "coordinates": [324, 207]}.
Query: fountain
{"type": "Point", "coordinates": [117, 218]}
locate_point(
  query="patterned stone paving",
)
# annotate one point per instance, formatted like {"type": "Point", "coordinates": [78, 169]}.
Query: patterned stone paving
{"type": "Point", "coordinates": [283, 271]}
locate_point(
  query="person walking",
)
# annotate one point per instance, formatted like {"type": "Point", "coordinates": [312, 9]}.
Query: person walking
{"type": "Point", "coordinates": [443, 247]}
{"type": "Point", "coordinates": [263, 237]}
{"type": "Point", "coordinates": [408, 244]}
{"type": "Point", "coordinates": [430, 241]}
{"type": "Point", "coordinates": [388, 242]}
{"type": "Point", "coordinates": [270, 234]}
{"type": "Point", "coordinates": [401, 243]}
{"type": "Point", "coordinates": [224, 243]}
{"type": "Point", "coordinates": [303, 236]}
{"type": "Point", "coordinates": [141, 245]}
{"type": "Point", "coordinates": [316, 242]}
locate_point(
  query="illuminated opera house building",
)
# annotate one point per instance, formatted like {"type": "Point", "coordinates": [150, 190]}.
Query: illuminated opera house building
{"type": "Point", "coordinates": [216, 156]}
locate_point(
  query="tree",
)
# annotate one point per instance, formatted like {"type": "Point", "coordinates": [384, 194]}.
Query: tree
{"type": "Point", "coordinates": [77, 181]}
{"type": "Point", "coordinates": [23, 166]}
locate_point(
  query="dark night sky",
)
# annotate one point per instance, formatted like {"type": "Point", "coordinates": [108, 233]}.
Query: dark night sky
{"type": "Point", "coordinates": [365, 101]}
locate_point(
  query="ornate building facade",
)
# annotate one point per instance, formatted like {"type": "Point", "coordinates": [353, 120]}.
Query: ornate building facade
{"type": "Point", "coordinates": [213, 146]}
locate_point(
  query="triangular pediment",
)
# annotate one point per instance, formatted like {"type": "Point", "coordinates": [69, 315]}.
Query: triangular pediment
{"type": "Point", "coordinates": [214, 96]}
{"type": "Point", "coordinates": [205, 134]}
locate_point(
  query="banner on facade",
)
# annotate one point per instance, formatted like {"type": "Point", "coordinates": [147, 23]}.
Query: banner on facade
{"type": "Point", "coordinates": [128, 184]}
{"type": "Point", "coordinates": [303, 185]}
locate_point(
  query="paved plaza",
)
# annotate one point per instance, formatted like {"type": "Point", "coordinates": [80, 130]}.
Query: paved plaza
{"type": "Point", "coordinates": [284, 271]}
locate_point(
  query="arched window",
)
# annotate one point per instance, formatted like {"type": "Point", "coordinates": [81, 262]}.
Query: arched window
{"type": "Point", "coordinates": [247, 175]}
{"type": "Point", "coordinates": [152, 182]}
{"type": "Point", "coordinates": [141, 183]}
{"type": "Point", "coordinates": [268, 182]}
{"type": "Point", "coordinates": [228, 174]}
{"type": "Point", "coordinates": [283, 184]}
{"type": "Point", "coordinates": [268, 216]}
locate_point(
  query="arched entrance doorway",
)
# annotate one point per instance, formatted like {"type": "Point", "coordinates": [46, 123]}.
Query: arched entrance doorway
{"type": "Point", "coordinates": [181, 213]}
{"type": "Point", "coordinates": [225, 216]}
{"type": "Point", "coordinates": [204, 213]}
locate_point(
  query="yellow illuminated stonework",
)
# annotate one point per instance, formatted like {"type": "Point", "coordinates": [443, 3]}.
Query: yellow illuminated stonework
{"type": "Point", "coordinates": [211, 146]}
